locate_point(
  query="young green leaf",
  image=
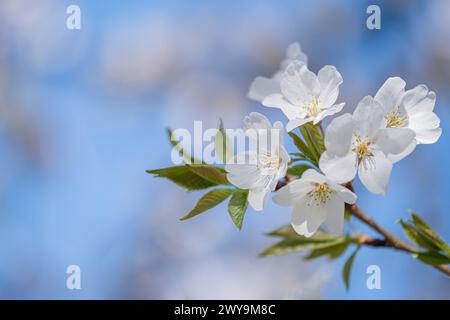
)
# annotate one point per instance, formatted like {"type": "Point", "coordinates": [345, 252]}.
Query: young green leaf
{"type": "Point", "coordinates": [184, 177]}
{"type": "Point", "coordinates": [222, 145]}
{"type": "Point", "coordinates": [432, 258]}
{"type": "Point", "coordinates": [347, 215]}
{"type": "Point", "coordinates": [298, 170]}
{"type": "Point", "coordinates": [208, 172]}
{"type": "Point", "coordinates": [287, 231]}
{"type": "Point", "coordinates": [284, 232]}
{"type": "Point", "coordinates": [413, 234]}
{"type": "Point", "coordinates": [333, 251]}
{"type": "Point", "coordinates": [346, 271]}
{"type": "Point", "coordinates": [289, 245]}
{"type": "Point", "coordinates": [314, 135]}
{"type": "Point", "coordinates": [300, 144]}
{"type": "Point", "coordinates": [237, 206]}
{"type": "Point", "coordinates": [298, 155]}
{"type": "Point", "coordinates": [427, 231]}
{"type": "Point", "coordinates": [208, 201]}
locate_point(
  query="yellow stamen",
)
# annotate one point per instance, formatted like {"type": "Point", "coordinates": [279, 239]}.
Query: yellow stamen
{"type": "Point", "coordinates": [395, 120]}
{"type": "Point", "coordinates": [321, 193]}
{"type": "Point", "coordinates": [362, 148]}
{"type": "Point", "coordinates": [313, 108]}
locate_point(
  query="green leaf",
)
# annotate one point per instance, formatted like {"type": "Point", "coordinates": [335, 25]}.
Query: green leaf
{"type": "Point", "coordinates": [183, 176]}
{"type": "Point", "coordinates": [299, 243]}
{"type": "Point", "coordinates": [347, 215]}
{"type": "Point", "coordinates": [315, 155]}
{"type": "Point", "coordinates": [208, 201]}
{"type": "Point", "coordinates": [208, 172]}
{"type": "Point", "coordinates": [309, 154]}
{"type": "Point", "coordinates": [222, 145]}
{"type": "Point", "coordinates": [432, 258]}
{"type": "Point", "coordinates": [283, 232]}
{"type": "Point", "coordinates": [297, 154]}
{"type": "Point", "coordinates": [298, 170]}
{"type": "Point", "coordinates": [428, 232]}
{"type": "Point", "coordinates": [333, 251]}
{"type": "Point", "coordinates": [237, 206]}
{"type": "Point", "coordinates": [314, 135]}
{"type": "Point", "coordinates": [413, 234]}
{"type": "Point", "coordinates": [186, 155]}
{"type": "Point", "coordinates": [346, 271]}
{"type": "Point", "coordinates": [287, 231]}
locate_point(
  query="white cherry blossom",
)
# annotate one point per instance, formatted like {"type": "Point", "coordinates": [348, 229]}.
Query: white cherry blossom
{"type": "Point", "coordinates": [358, 143]}
{"type": "Point", "coordinates": [259, 168]}
{"type": "Point", "coordinates": [261, 87]}
{"type": "Point", "coordinates": [305, 96]}
{"type": "Point", "coordinates": [315, 200]}
{"type": "Point", "coordinates": [411, 109]}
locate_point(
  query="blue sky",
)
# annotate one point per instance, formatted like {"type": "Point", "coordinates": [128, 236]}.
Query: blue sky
{"type": "Point", "coordinates": [85, 114]}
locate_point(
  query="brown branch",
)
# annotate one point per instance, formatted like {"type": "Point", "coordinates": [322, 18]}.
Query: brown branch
{"type": "Point", "coordinates": [390, 240]}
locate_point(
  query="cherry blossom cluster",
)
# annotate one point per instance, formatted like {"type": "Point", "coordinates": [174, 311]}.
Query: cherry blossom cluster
{"type": "Point", "coordinates": [381, 131]}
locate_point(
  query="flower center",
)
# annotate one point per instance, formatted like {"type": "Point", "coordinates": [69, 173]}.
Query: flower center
{"type": "Point", "coordinates": [363, 148]}
{"type": "Point", "coordinates": [320, 194]}
{"type": "Point", "coordinates": [394, 119]}
{"type": "Point", "coordinates": [268, 164]}
{"type": "Point", "coordinates": [313, 108]}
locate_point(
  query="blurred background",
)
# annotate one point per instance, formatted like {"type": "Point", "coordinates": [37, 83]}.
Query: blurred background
{"type": "Point", "coordinates": [83, 115]}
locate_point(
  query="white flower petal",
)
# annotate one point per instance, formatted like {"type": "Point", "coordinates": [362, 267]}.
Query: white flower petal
{"type": "Point", "coordinates": [411, 98]}
{"type": "Point", "coordinates": [298, 84]}
{"type": "Point", "coordinates": [368, 116]}
{"type": "Point", "coordinates": [335, 215]}
{"type": "Point", "coordinates": [284, 155]}
{"type": "Point", "coordinates": [429, 136]}
{"type": "Point", "coordinates": [329, 112]}
{"type": "Point", "coordinates": [257, 121]}
{"type": "Point", "coordinates": [294, 51]}
{"type": "Point", "coordinates": [409, 149]}
{"type": "Point", "coordinates": [390, 93]}
{"type": "Point", "coordinates": [278, 101]}
{"type": "Point", "coordinates": [338, 135]}
{"type": "Point", "coordinates": [313, 175]}
{"type": "Point", "coordinates": [330, 80]}
{"type": "Point", "coordinates": [375, 177]}
{"type": "Point", "coordinates": [295, 123]}
{"type": "Point", "coordinates": [338, 169]}
{"type": "Point", "coordinates": [245, 179]}
{"type": "Point", "coordinates": [242, 170]}
{"type": "Point", "coordinates": [394, 140]}
{"type": "Point", "coordinates": [306, 219]}
{"type": "Point", "coordinates": [426, 126]}
{"type": "Point", "coordinates": [278, 125]}
{"type": "Point", "coordinates": [345, 194]}
{"type": "Point", "coordinates": [257, 197]}
{"type": "Point", "coordinates": [292, 192]}
{"type": "Point", "coordinates": [426, 104]}
{"type": "Point", "coordinates": [262, 87]}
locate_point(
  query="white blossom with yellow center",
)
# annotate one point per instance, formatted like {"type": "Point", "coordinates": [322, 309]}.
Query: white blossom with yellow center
{"type": "Point", "coordinates": [360, 144]}
{"type": "Point", "coordinates": [259, 168]}
{"type": "Point", "coordinates": [411, 109]}
{"type": "Point", "coordinates": [304, 96]}
{"type": "Point", "coordinates": [316, 200]}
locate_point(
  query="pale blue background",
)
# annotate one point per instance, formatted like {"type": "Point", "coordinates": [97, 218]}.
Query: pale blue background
{"type": "Point", "coordinates": [83, 114]}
